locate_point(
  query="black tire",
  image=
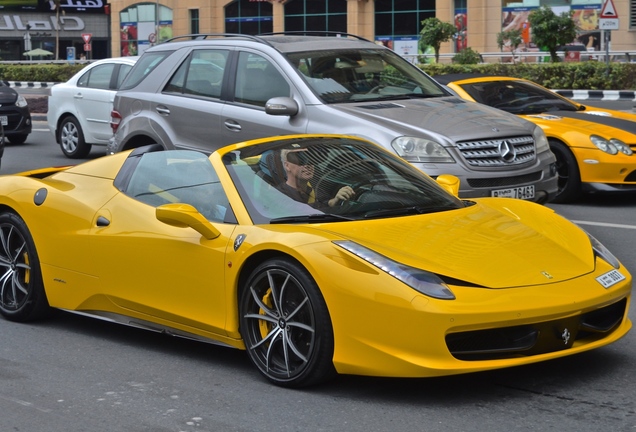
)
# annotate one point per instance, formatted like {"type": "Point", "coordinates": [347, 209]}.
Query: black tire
{"type": "Point", "coordinates": [71, 139]}
{"type": "Point", "coordinates": [290, 339]}
{"type": "Point", "coordinates": [17, 139]}
{"type": "Point", "coordinates": [569, 177]}
{"type": "Point", "coordinates": [22, 296]}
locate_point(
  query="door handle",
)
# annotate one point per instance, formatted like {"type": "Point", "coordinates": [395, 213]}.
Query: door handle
{"type": "Point", "coordinates": [232, 125]}
{"type": "Point", "coordinates": [162, 110]}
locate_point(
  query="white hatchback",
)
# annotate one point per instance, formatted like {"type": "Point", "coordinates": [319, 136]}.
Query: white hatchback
{"type": "Point", "coordinates": [79, 109]}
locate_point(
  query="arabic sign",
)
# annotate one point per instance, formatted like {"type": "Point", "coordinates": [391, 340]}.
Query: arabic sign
{"type": "Point", "coordinates": [88, 6]}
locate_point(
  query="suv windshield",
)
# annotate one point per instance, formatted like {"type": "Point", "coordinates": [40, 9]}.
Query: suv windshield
{"type": "Point", "coordinates": [362, 74]}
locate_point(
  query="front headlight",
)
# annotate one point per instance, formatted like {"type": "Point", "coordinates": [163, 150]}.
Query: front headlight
{"type": "Point", "coordinates": [414, 149]}
{"type": "Point", "coordinates": [540, 140]}
{"type": "Point", "coordinates": [602, 252]}
{"type": "Point", "coordinates": [621, 146]}
{"type": "Point", "coordinates": [421, 281]}
{"type": "Point", "coordinates": [21, 102]}
{"type": "Point", "coordinates": [603, 144]}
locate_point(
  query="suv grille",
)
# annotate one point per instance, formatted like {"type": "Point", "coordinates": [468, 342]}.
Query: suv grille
{"type": "Point", "coordinates": [498, 152]}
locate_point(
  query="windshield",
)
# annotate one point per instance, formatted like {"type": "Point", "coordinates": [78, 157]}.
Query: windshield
{"type": "Point", "coordinates": [325, 179]}
{"type": "Point", "coordinates": [517, 97]}
{"type": "Point", "coordinates": [363, 75]}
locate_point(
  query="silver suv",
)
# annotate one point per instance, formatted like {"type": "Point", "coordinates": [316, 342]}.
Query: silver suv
{"type": "Point", "coordinates": [205, 91]}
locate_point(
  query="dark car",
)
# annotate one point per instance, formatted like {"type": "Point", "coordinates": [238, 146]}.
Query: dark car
{"type": "Point", "coordinates": [14, 114]}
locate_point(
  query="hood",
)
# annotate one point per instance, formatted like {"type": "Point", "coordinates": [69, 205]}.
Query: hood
{"type": "Point", "coordinates": [7, 95]}
{"type": "Point", "coordinates": [496, 243]}
{"type": "Point", "coordinates": [600, 117]}
{"type": "Point", "coordinates": [451, 117]}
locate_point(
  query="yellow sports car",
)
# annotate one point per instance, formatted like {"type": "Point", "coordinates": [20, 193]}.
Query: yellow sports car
{"type": "Point", "coordinates": [594, 147]}
{"type": "Point", "coordinates": [315, 254]}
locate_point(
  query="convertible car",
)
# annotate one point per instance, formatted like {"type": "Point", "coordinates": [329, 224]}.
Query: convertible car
{"type": "Point", "coordinates": [594, 146]}
{"type": "Point", "coordinates": [317, 254]}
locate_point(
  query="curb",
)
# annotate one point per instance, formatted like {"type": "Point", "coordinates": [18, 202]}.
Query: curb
{"type": "Point", "coordinates": [30, 84]}
{"type": "Point", "coordinates": [606, 95]}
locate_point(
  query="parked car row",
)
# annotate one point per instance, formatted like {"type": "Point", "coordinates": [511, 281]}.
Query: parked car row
{"type": "Point", "coordinates": [208, 92]}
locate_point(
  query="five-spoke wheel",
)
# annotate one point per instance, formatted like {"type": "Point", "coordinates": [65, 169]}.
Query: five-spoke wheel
{"type": "Point", "coordinates": [285, 325]}
{"type": "Point", "coordinates": [71, 139]}
{"type": "Point", "coordinates": [22, 296]}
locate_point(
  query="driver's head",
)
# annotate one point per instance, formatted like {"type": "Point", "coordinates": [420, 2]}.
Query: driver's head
{"type": "Point", "coordinates": [297, 164]}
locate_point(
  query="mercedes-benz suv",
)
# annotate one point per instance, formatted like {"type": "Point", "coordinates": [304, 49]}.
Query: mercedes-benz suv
{"type": "Point", "coordinates": [206, 91]}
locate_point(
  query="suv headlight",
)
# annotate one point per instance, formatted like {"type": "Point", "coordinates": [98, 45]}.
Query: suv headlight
{"type": "Point", "coordinates": [421, 281]}
{"type": "Point", "coordinates": [414, 149]}
{"type": "Point", "coordinates": [540, 140]}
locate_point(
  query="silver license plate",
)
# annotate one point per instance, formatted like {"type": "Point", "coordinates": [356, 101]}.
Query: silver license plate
{"type": "Point", "coordinates": [4, 120]}
{"type": "Point", "coordinates": [523, 192]}
{"type": "Point", "coordinates": [610, 278]}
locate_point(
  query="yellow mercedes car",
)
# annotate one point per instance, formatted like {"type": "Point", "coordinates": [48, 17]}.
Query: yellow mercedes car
{"type": "Point", "coordinates": [316, 254]}
{"type": "Point", "coordinates": [594, 147]}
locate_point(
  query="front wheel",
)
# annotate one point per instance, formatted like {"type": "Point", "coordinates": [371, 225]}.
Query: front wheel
{"type": "Point", "coordinates": [569, 177]}
{"type": "Point", "coordinates": [285, 325]}
{"type": "Point", "coordinates": [22, 296]}
{"type": "Point", "coordinates": [71, 139]}
{"type": "Point", "coordinates": [18, 139]}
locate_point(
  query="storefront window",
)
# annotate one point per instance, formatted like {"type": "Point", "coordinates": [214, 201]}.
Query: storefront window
{"type": "Point", "coordinates": [311, 15]}
{"type": "Point", "coordinates": [398, 23]}
{"type": "Point", "coordinates": [144, 25]}
{"type": "Point", "coordinates": [248, 17]}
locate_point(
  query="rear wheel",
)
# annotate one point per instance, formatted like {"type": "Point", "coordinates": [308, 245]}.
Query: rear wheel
{"type": "Point", "coordinates": [22, 296]}
{"type": "Point", "coordinates": [286, 326]}
{"type": "Point", "coordinates": [569, 177]}
{"type": "Point", "coordinates": [71, 139]}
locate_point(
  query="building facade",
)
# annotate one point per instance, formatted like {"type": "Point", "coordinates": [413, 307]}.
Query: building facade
{"type": "Point", "coordinates": [102, 28]}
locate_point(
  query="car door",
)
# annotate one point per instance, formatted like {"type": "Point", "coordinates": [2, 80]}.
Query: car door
{"type": "Point", "coordinates": [190, 104]}
{"type": "Point", "coordinates": [256, 81]}
{"type": "Point", "coordinates": [94, 99]}
{"type": "Point", "coordinates": [162, 273]}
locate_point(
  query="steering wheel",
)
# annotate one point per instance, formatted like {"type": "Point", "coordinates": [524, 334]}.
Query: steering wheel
{"type": "Point", "coordinates": [376, 89]}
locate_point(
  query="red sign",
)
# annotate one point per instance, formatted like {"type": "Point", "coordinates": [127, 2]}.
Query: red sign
{"type": "Point", "coordinates": [87, 47]}
{"type": "Point", "coordinates": [87, 37]}
{"type": "Point", "coordinates": [609, 11]}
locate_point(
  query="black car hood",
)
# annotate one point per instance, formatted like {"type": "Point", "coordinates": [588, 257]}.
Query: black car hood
{"type": "Point", "coordinates": [7, 95]}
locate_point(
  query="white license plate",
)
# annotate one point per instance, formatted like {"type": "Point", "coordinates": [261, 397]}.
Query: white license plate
{"type": "Point", "coordinates": [610, 278]}
{"type": "Point", "coordinates": [4, 120]}
{"type": "Point", "coordinates": [524, 192]}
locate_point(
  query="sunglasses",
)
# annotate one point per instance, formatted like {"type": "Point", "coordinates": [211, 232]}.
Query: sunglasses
{"type": "Point", "coordinates": [299, 158]}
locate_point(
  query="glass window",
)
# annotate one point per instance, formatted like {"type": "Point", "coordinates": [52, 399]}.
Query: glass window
{"type": "Point", "coordinates": [201, 75]}
{"type": "Point", "coordinates": [248, 17]}
{"type": "Point", "coordinates": [143, 67]}
{"type": "Point", "coordinates": [310, 15]}
{"type": "Point", "coordinates": [98, 77]}
{"type": "Point", "coordinates": [396, 19]}
{"type": "Point", "coordinates": [142, 26]}
{"type": "Point", "coordinates": [257, 80]}
{"type": "Point", "coordinates": [194, 21]}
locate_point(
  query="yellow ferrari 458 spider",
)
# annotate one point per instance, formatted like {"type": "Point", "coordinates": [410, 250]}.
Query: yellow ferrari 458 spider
{"type": "Point", "coordinates": [594, 147]}
{"type": "Point", "coordinates": [316, 254]}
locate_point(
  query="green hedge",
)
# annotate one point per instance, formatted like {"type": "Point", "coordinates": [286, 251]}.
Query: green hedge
{"type": "Point", "coordinates": [589, 75]}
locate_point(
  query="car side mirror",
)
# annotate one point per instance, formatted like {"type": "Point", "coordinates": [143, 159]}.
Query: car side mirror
{"type": "Point", "coordinates": [450, 183]}
{"type": "Point", "coordinates": [184, 215]}
{"type": "Point", "coordinates": [281, 106]}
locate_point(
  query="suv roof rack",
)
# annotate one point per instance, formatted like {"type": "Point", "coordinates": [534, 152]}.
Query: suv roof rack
{"type": "Point", "coordinates": [203, 36]}
{"type": "Point", "coordinates": [315, 33]}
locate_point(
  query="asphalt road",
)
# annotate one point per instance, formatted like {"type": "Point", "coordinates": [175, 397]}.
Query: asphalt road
{"type": "Point", "coordinates": [71, 373]}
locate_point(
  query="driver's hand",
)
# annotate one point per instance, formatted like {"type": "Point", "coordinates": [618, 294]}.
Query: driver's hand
{"type": "Point", "coordinates": [345, 193]}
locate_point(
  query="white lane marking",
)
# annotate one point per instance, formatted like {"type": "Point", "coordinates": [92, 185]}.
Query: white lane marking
{"type": "Point", "coordinates": [604, 224]}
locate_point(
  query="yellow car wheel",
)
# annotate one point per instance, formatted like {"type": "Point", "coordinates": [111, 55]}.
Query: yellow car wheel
{"type": "Point", "coordinates": [22, 296]}
{"type": "Point", "coordinates": [569, 177]}
{"type": "Point", "coordinates": [285, 325]}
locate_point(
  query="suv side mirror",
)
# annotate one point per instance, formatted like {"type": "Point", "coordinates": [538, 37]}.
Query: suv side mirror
{"type": "Point", "coordinates": [281, 106]}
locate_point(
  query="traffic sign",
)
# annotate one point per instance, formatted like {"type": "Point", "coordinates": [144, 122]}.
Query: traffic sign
{"type": "Point", "coordinates": [87, 37]}
{"type": "Point", "coordinates": [87, 47]}
{"type": "Point", "coordinates": [608, 10]}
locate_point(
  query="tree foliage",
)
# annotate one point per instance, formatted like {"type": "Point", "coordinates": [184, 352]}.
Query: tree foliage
{"type": "Point", "coordinates": [549, 30]}
{"type": "Point", "coordinates": [512, 38]}
{"type": "Point", "coordinates": [434, 32]}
